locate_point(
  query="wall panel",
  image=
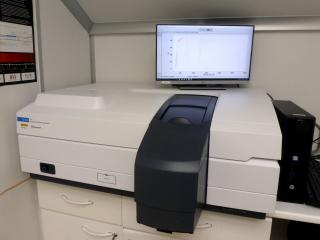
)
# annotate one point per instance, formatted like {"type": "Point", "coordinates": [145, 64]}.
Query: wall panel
{"type": "Point", "coordinates": [65, 47]}
{"type": "Point", "coordinates": [285, 63]}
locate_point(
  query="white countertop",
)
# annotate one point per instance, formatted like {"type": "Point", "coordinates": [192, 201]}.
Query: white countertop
{"type": "Point", "coordinates": [296, 212]}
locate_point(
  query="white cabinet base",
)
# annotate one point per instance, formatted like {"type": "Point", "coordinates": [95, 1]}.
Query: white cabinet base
{"type": "Point", "coordinates": [89, 215]}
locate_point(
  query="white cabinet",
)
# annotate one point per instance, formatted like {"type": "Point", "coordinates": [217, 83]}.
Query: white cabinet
{"type": "Point", "coordinates": [57, 226]}
{"type": "Point", "coordinates": [70, 213]}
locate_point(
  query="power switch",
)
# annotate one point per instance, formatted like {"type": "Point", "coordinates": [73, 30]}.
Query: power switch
{"type": "Point", "coordinates": [47, 168]}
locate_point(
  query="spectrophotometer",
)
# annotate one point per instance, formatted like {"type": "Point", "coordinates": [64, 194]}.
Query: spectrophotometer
{"type": "Point", "coordinates": [176, 150]}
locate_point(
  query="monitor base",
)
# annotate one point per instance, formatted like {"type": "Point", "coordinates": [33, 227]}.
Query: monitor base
{"type": "Point", "coordinates": [207, 86]}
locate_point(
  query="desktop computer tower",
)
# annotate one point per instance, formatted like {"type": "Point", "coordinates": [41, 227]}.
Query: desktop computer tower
{"type": "Point", "coordinates": [297, 127]}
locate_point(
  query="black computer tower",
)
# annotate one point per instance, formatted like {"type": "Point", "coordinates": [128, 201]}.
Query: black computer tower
{"type": "Point", "coordinates": [297, 127]}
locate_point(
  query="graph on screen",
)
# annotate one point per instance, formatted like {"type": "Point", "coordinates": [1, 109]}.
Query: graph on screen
{"type": "Point", "coordinates": [209, 52]}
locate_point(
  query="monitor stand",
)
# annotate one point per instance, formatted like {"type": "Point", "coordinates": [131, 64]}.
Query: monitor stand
{"type": "Point", "coordinates": [207, 87]}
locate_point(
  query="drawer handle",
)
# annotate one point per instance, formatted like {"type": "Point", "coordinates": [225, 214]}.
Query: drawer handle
{"type": "Point", "coordinates": [67, 200]}
{"type": "Point", "coordinates": [204, 226]}
{"type": "Point", "coordinates": [96, 234]}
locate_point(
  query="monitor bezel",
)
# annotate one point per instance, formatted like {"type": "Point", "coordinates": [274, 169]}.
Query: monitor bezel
{"type": "Point", "coordinates": [204, 81]}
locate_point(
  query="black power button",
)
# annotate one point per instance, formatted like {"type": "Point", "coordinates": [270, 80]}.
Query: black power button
{"type": "Point", "coordinates": [47, 168]}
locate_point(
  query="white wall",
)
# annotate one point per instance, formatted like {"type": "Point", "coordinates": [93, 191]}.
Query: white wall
{"type": "Point", "coordinates": [65, 46]}
{"type": "Point", "coordinates": [12, 98]}
{"type": "Point", "coordinates": [125, 58]}
{"type": "Point", "coordinates": [285, 63]}
{"type": "Point", "coordinates": [19, 213]}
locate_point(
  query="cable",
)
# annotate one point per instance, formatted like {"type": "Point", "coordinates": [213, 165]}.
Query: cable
{"type": "Point", "coordinates": [315, 157]}
{"type": "Point", "coordinates": [316, 141]}
{"type": "Point", "coordinates": [318, 138]}
{"type": "Point", "coordinates": [272, 99]}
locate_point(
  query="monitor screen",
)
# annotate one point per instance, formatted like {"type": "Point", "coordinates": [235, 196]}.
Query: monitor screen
{"type": "Point", "coordinates": [190, 53]}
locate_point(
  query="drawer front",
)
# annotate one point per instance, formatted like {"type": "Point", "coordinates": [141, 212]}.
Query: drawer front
{"type": "Point", "coordinates": [58, 226]}
{"type": "Point", "coordinates": [135, 235]}
{"type": "Point", "coordinates": [80, 202]}
{"type": "Point", "coordinates": [218, 226]}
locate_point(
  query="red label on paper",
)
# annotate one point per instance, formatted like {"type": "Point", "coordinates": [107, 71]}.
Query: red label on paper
{"type": "Point", "coordinates": [16, 58]}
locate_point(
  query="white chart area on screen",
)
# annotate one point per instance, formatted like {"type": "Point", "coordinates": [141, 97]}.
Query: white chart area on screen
{"type": "Point", "coordinates": [207, 53]}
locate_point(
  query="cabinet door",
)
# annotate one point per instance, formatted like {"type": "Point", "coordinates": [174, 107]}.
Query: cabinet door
{"type": "Point", "coordinates": [136, 235]}
{"type": "Point", "coordinates": [58, 226]}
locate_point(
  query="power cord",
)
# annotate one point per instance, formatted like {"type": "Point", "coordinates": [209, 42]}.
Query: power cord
{"type": "Point", "coordinates": [317, 141]}
{"type": "Point", "coordinates": [270, 96]}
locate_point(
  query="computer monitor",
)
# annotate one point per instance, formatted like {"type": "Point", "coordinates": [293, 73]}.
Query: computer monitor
{"type": "Point", "coordinates": [203, 54]}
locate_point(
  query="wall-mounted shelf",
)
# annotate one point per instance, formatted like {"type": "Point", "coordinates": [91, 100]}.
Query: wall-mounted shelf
{"type": "Point", "coordinates": [140, 16]}
{"type": "Point", "coordinates": [155, 10]}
